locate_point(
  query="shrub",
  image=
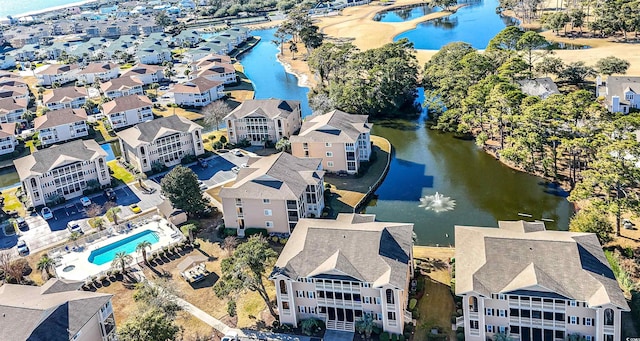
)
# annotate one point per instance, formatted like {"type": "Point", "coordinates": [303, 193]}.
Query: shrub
{"type": "Point", "coordinates": [223, 139]}
{"type": "Point", "coordinates": [189, 158]}
{"type": "Point", "coordinates": [412, 303]}
{"type": "Point", "coordinates": [401, 337]}
{"type": "Point", "coordinates": [253, 231]}
{"type": "Point", "coordinates": [384, 336]}
{"type": "Point", "coordinates": [230, 232]}
{"type": "Point", "coordinates": [231, 308]}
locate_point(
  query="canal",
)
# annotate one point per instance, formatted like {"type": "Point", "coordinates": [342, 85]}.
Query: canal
{"type": "Point", "coordinates": [425, 162]}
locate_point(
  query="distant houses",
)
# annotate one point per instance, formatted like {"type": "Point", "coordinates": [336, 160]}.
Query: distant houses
{"type": "Point", "coordinates": [163, 141]}
{"type": "Point", "coordinates": [122, 86]}
{"type": "Point", "coordinates": [63, 170]}
{"type": "Point", "coordinates": [265, 120]}
{"type": "Point", "coordinates": [147, 74]}
{"type": "Point", "coordinates": [274, 193]}
{"type": "Point", "coordinates": [512, 282]}
{"type": "Point", "coordinates": [69, 97]}
{"type": "Point", "coordinates": [57, 73]}
{"type": "Point", "coordinates": [341, 140]}
{"type": "Point", "coordinates": [98, 72]}
{"type": "Point", "coordinates": [620, 93]}
{"type": "Point", "coordinates": [198, 92]}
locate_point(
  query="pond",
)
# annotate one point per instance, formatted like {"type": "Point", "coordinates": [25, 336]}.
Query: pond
{"type": "Point", "coordinates": [406, 13]}
{"type": "Point", "coordinates": [475, 23]}
{"type": "Point", "coordinates": [425, 162]}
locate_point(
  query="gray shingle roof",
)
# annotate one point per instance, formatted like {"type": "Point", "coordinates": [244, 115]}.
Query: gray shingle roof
{"type": "Point", "coordinates": [120, 83]}
{"type": "Point", "coordinates": [55, 156]}
{"type": "Point", "coordinates": [55, 311]}
{"type": "Point", "coordinates": [524, 256]}
{"type": "Point", "coordinates": [66, 94]}
{"type": "Point", "coordinates": [540, 87]}
{"type": "Point", "coordinates": [148, 131]}
{"type": "Point", "coordinates": [125, 103]}
{"type": "Point", "coordinates": [197, 85]}
{"type": "Point", "coordinates": [353, 245]}
{"type": "Point", "coordinates": [270, 108]}
{"type": "Point", "coordinates": [59, 117]}
{"type": "Point", "coordinates": [278, 176]}
{"type": "Point", "coordinates": [334, 126]}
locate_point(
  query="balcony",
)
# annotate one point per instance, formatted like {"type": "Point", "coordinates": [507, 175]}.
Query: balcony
{"type": "Point", "coordinates": [459, 323]}
{"type": "Point", "coordinates": [608, 329]}
{"type": "Point", "coordinates": [408, 316]}
{"type": "Point", "coordinates": [339, 303]}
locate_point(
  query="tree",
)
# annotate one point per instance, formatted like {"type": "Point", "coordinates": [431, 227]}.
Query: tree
{"type": "Point", "coordinates": [311, 325]}
{"type": "Point", "coordinates": [246, 270]}
{"type": "Point", "coordinates": [229, 244]}
{"type": "Point", "coordinates": [181, 187]}
{"type": "Point", "coordinates": [75, 235]}
{"type": "Point", "coordinates": [577, 72]}
{"type": "Point", "coordinates": [321, 103]}
{"type": "Point", "coordinates": [142, 248]}
{"type": "Point", "coordinates": [550, 65]}
{"type": "Point", "coordinates": [365, 324]}
{"type": "Point", "coordinates": [45, 264]}
{"type": "Point", "coordinates": [214, 112]}
{"type": "Point", "coordinates": [592, 220]}
{"type": "Point", "coordinates": [162, 19]}
{"type": "Point", "coordinates": [112, 214]}
{"type": "Point", "coordinates": [610, 65]}
{"type": "Point", "coordinates": [153, 325]}
{"type": "Point", "coordinates": [555, 21]}
{"type": "Point", "coordinates": [502, 337]}
{"type": "Point", "coordinates": [97, 223]}
{"type": "Point", "coordinates": [283, 145]}
{"type": "Point", "coordinates": [528, 43]}
{"type": "Point", "coordinates": [188, 230]}
{"type": "Point", "coordinates": [121, 260]}
{"type": "Point", "coordinates": [507, 39]}
{"type": "Point", "coordinates": [293, 48]}
{"type": "Point", "coordinates": [158, 295]}
{"type": "Point", "coordinates": [154, 86]}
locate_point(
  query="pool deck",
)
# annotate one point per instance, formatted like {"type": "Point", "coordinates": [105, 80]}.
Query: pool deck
{"type": "Point", "coordinates": [85, 269]}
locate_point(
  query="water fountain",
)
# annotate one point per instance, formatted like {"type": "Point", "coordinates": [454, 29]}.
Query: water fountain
{"type": "Point", "coordinates": [437, 203]}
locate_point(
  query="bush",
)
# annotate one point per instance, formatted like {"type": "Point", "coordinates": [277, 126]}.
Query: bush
{"type": "Point", "coordinates": [253, 231]}
{"type": "Point", "coordinates": [230, 232]}
{"type": "Point", "coordinates": [412, 303]}
{"type": "Point", "coordinates": [384, 336]}
{"type": "Point", "coordinates": [187, 159]}
{"type": "Point", "coordinates": [231, 308]}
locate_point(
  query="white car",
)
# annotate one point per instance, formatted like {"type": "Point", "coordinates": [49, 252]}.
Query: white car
{"type": "Point", "coordinates": [237, 152]}
{"type": "Point", "coordinates": [85, 201]}
{"type": "Point", "coordinates": [23, 249]}
{"type": "Point", "coordinates": [202, 185]}
{"type": "Point", "coordinates": [233, 336]}
{"type": "Point", "coordinates": [46, 213]}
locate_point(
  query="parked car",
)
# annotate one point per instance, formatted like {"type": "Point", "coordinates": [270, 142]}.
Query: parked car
{"type": "Point", "coordinates": [202, 185]}
{"type": "Point", "coordinates": [85, 201]}
{"type": "Point", "coordinates": [244, 165]}
{"type": "Point", "coordinates": [46, 213]}
{"type": "Point", "coordinates": [232, 336]}
{"type": "Point", "coordinates": [20, 223]}
{"type": "Point", "coordinates": [237, 152]}
{"type": "Point", "coordinates": [23, 249]}
{"type": "Point", "coordinates": [73, 227]}
{"type": "Point", "coordinates": [235, 169]}
{"type": "Point", "coordinates": [135, 208]}
{"type": "Point", "coordinates": [110, 194]}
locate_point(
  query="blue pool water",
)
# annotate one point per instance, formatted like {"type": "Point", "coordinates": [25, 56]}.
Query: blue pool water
{"type": "Point", "coordinates": [107, 148]}
{"type": "Point", "coordinates": [106, 254]}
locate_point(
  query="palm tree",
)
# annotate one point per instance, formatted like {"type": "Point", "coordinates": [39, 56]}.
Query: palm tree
{"type": "Point", "coordinates": [293, 48]}
{"type": "Point", "coordinates": [74, 236]}
{"type": "Point", "coordinates": [45, 264]}
{"type": "Point", "coordinates": [140, 177]}
{"type": "Point", "coordinates": [112, 214]}
{"type": "Point", "coordinates": [142, 247]}
{"type": "Point", "coordinates": [120, 260]}
{"type": "Point", "coordinates": [283, 145]}
{"type": "Point", "coordinates": [97, 223]}
{"type": "Point", "coordinates": [229, 244]}
{"type": "Point", "coordinates": [154, 86]}
{"type": "Point", "coordinates": [365, 325]}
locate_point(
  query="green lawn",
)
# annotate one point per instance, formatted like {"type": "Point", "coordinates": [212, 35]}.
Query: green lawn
{"type": "Point", "coordinates": [11, 202]}
{"type": "Point", "coordinates": [119, 173]}
{"type": "Point", "coordinates": [101, 130]}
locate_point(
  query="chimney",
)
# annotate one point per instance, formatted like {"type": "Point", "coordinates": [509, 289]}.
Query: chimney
{"type": "Point", "coordinates": [615, 104]}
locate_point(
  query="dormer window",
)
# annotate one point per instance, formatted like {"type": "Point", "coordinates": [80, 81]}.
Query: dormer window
{"type": "Point", "coordinates": [628, 96]}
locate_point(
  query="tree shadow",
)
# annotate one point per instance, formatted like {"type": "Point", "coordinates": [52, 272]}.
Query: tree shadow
{"type": "Point", "coordinates": [208, 282]}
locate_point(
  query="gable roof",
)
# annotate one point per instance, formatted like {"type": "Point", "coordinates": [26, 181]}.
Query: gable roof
{"type": "Point", "coordinates": [197, 85]}
{"type": "Point", "coordinates": [55, 311]}
{"type": "Point", "coordinates": [7, 129]}
{"type": "Point", "coordinates": [59, 117]}
{"type": "Point", "coordinates": [353, 246]}
{"type": "Point", "coordinates": [215, 68]}
{"type": "Point", "coordinates": [121, 83]}
{"type": "Point", "coordinates": [278, 176]}
{"type": "Point", "coordinates": [213, 57]}
{"type": "Point", "coordinates": [125, 103]}
{"type": "Point", "coordinates": [10, 104]}
{"type": "Point", "coordinates": [334, 126]}
{"type": "Point", "coordinates": [66, 94]}
{"type": "Point", "coordinates": [540, 87]}
{"type": "Point", "coordinates": [520, 256]}
{"type": "Point", "coordinates": [270, 108]}
{"type": "Point", "coordinates": [149, 131]}
{"type": "Point", "coordinates": [56, 69]}
{"type": "Point", "coordinates": [617, 85]}
{"type": "Point", "coordinates": [142, 69]}
{"type": "Point", "coordinates": [42, 161]}
{"type": "Point", "coordinates": [98, 67]}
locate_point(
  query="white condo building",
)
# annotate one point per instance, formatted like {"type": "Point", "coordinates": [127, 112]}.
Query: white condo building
{"type": "Point", "coordinates": [127, 110]}
{"type": "Point", "coordinates": [12, 110]}
{"type": "Point", "coordinates": [531, 284]}
{"type": "Point", "coordinates": [8, 140]}
{"type": "Point", "coordinates": [164, 140]}
{"type": "Point", "coordinates": [339, 270]}
{"type": "Point", "coordinates": [63, 170]}
{"type": "Point", "coordinates": [261, 120]}
{"type": "Point", "coordinates": [69, 97]}
{"type": "Point", "coordinates": [61, 125]}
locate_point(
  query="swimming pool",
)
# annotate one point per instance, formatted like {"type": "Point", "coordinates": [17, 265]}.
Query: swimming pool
{"type": "Point", "coordinates": [106, 254]}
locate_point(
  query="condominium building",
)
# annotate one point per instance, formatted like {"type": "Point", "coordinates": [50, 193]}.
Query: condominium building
{"type": "Point", "coordinates": [218, 72]}
{"type": "Point", "coordinates": [122, 86]}
{"type": "Point", "coordinates": [208, 59]}
{"type": "Point", "coordinates": [198, 92]}
{"type": "Point", "coordinates": [61, 125]}
{"type": "Point", "coordinates": [8, 140]}
{"type": "Point", "coordinates": [11, 110]}
{"type": "Point", "coordinates": [56, 311]}
{"type": "Point", "coordinates": [341, 140]}
{"type": "Point", "coordinates": [57, 73]}
{"type": "Point", "coordinates": [62, 170]}
{"type": "Point", "coordinates": [339, 270]}
{"type": "Point", "coordinates": [15, 92]}
{"type": "Point", "coordinates": [164, 141]}
{"type": "Point", "coordinates": [100, 72]}
{"type": "Point", "coordinates": [274, 192]}
{"type": "Point", "coordinates": [262, 120]}
{"type": "Point", "coordinates": [147, 74]}
{"type": "Point", "coordinates": [532, 284]}
{"type": "Point", "coordinates": [69, 97]}
{"type": "Point", "coordinates": [127, 111]}
{"type": "Point", "coordinates": [619, 93]}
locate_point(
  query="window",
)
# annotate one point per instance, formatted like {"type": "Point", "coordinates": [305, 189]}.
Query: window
{"type": "Point", "coordinates": [266, 201]}
{"type": "Point", "coordinates": [473, 324]}
{"type": "Point", "coordinates": [489, 328]}
{"type": "Point", "coordinates": [502, 329]}
{"type": "Point", "coordinates": [283, 287]}
{"type": "Point", "coordinates": [367, 299]}
{"type": "Point", "coordinates": [573, 320]}
{"type": "Point", "coordinates": [390, 299]}
{"type": "Point", "coordinates": [608, 317]}
{"type": "Point", "coordinates": [299, 293]}
{"type": "Point", "coordinates": [310, 294]}
{"type": "Point", "coordinates": [573, 303]}
{"type": "Point", "coordinates": [327, 144]}
{"type": "Point", "coordinates": [330, 164]}
{"type": "Point", "coordinates": [588, 337]}
{"type": "Point", "coordinates": [587, 321]}
{"type": "Point", "coordinates": [301, 309]}
{"type": "Point", "coordinates": [489, 312]}
{"type": "Point", "coordinates": [268, 224]}
{"type": "Point", "coordinates": [329, 154]}
{"type": "Point", "coordinates": [285, 305]}
{"type": "Point", "coordinates": [391, 316]}
{"type": "Point", "coordinates": [267, 213]}
{"type": "Point", "coordinates": [502, 296]}
{"type": "Point", "coordinates": [502, 313]}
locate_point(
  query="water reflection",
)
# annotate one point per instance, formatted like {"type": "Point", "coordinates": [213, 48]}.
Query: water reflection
{"type": "Point", "coordinates": [406, 13]}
